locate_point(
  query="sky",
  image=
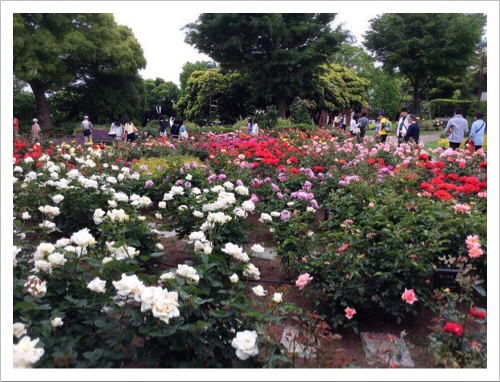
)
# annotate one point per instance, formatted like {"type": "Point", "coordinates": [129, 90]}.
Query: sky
{"type": "Point", "coordinates": [156, 25]}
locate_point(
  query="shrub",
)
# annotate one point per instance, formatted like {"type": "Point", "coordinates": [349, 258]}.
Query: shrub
{"type": "Point", "coordinates": [445, 107]}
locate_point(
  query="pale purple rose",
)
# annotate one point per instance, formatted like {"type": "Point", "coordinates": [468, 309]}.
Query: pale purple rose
{"type": "Point", "coordinates": [194, 164]}
{"type": "Point", "coordinates": [143, 167]}
{"type": "Point", "coordinates": [279, 195]}
{"type": "Point", "coordinates": [314, 204]}
{"type": "Point", "coordinates": [307, 186]}
{"type": "Point", "coordinates": [285, 215]}
{"type": "Point", "coordinates": [211, 178]}
{"type": "Point", "coordinates": [267, 180]}
{"type": "Point", "coordinates": [222, 177]}
{"type": "Point", "coordinates": [186, 166]}
{"type": "Point", "coordinates": [180, 182]}
{"type": "Point", "coordinates": [274, 187]}
{"type": "Point", "coordinates": [149, 183]}
{"type": "Point", "coordinates": [239, 182]}
{"type": "Point", "coordinates": [254, 198]}
{"type": "Point", "coordinates": [187, 185]}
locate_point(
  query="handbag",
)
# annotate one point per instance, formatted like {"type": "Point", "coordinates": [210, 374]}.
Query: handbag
{"type": "Point", "coordinates": [356, 130]}
{"type": "Point", "coordinates": [87, 132]}
{"type": "Point", "coordinates": [469, 146]}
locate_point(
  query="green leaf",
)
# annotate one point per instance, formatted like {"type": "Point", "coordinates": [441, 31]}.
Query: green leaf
{"type": "Point", "coordinates": [480, 290]}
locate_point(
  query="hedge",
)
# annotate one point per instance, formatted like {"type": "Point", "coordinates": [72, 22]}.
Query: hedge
{"type": "Point", "coordinates": [445, 107]}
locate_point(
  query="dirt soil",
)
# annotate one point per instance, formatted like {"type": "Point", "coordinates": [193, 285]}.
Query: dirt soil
{"type": "Point", "coordinates": [345, 347]}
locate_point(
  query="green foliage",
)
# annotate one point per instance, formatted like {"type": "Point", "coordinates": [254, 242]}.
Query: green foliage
{"type": "Point", "coordinates": [24, 108]}
{"type": "Point", "coordinates": [383, 93]}
{"type": "Point", "coordinates": [421, 50]}
{"type": "Point", "coordinates": [445, 107]}
{"type": "Point", "coordinates": [160, 93]}
{"type": "Point", "coordinates": [300, 111]}
{"type": "Point", "coordinates": [267, 119]}
{"type": "Point", "coordinates": [281, 52]}
{"type": "Point", "coordinates": [230, 97]}
{"type": "Point", "coordinates": [483, 108]}
{"type": "Point", "coordinates": [466, 347]}
{"type": "Point", "coordinates": [53, 50]}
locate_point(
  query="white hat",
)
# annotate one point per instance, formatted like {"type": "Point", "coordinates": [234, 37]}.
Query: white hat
{"type": "Point", "coordinates": [35, 120]}
{"type": "Point", "coordinates": [86, 117]}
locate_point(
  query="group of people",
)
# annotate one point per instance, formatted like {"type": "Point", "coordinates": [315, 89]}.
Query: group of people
{"type": "Point", "coordinates": [253, 127]}
{"type": "Point", "coordinates": [118, 131]}
{"type": "Point", "coordinates": [176, 128]}
{"type": "Point", "coordinates": [408, 130]}
{"type": "Point", "coordinates": [457, 127]}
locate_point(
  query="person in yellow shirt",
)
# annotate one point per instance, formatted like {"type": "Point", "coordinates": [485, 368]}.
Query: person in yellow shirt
{"type": "Point", "coordinates": [380, 126]}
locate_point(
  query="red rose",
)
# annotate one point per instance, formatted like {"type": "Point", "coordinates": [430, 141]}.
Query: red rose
{"type": "Point", "coordinates": [478, 314]}
{"type": "Point", "coordinates": [454, 328]}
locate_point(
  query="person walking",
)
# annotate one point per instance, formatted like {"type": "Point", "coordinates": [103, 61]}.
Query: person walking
{"type": "Point", "coordinates": [413, 132]}
{"type": "Point", "coordinates": [116, 130]}
{"type": "Point", "coordinates": [129, 130]}
{"type": "Point", "coordinates": [380, 126]}
{"type": "Point", "coordinates": [183, 134]}
{"type": "Point", "coordinates": [363, 125]}
{"type": "Point", "coordinates": [249, 126]}
{"type": "Point", "coordinates": [163, 127]}
{"type": "Point", "coordinates": [456, 128]}
{"type": "Point", "coordinates": [402, 125]}
{"type": "Point", "coordinates": [477, 131]}
{"type": "Point", "coordinates": [352, 125]}
{"type": "Point", "coordinates": [255, 127]}
{"type": "Point", "coordinates": [87, 127]}
{"type": "Point", "coordinates": [35, 129]}
{"type": "Point", "coordinates": [175, 128]}
{"type": "Point", "coordinates": [16, 128]}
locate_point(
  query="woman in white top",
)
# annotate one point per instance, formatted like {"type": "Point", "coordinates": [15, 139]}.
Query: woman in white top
{"type": "Point", "coordinates": [352, 126]}
{"type": "Point", "coordinates": [116, 130]}
{"type": "Point", "coordinates": [255, 127]}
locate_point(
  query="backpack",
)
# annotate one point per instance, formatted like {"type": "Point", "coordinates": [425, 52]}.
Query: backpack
{"type": "Point", "coordinates": [388, 126]}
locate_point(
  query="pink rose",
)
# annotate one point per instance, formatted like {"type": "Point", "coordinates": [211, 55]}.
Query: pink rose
{"type": "Point", "coordinates": [303, 280]}
{"type": "Point", "coordinates": [475, 251]}
{"type": "Point", "coordinates": [349, 313]}
{"type": "Point", "coordinates": [371, 205]}
{"type": "Point", "coordinates": [409, 296]}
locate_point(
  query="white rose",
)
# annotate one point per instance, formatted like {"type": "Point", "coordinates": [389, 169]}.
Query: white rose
{"type": "Point", "coordinates": [189, 177]}
{"type": "Point", "coordinates": [158, 216]}
{"type": "Point", "coordinates": [275, 214]}
{"type": "Point", "coordinates": [248, 205]}
{"type": "Point", "coordinates": [198, 214]}
{"type": "Point", "coordinates": [97, 285]}
{"type": "Point", "coordinates": [26, 216]}
{"type": "Point", "coordinates": [251, 271]}
{"type": "Point", "coordinates": [165, 306]}
{"type": "Point", "coordinates": [129, 285]}
{"type": "Point", "coordinates": [25, 353]}
{"type": "Point", "coordinates": [56, 259]}
{"type": "Point", "coordinates": [198, 235]}
{"type": "Point", "coordinates": [19, 329]}
{"type": "Point", "coordinates": [159, 246]}
{"type": "Point", "coordinates": [265, 217]}
{"type": "Point", "coordinates": [259, 291]}
{"type": "Point", "coordinates": [168, 196]}
{"type": "Point", "coordinates": [162, 205]}
{"type": "Point", "coordinates": [61, 243]}
{"type": "Point", "coordinates": [242, 190]}
{"type": "Point", "coordinates": [167, 276]}
{"type": "Point", "coordinates": [245, 344]}
{"type": "Point", "coordinates": [57, 198]}
{"type": "Point", "coordinates": [83, 238]}
{"type": "Point", "coordinates": [188, 272]}
{"type": "Point", "coordinates": [234, 278]}
{"type": "Point", "coordinates": [257, 248]}
{"type": "Point", "coordinates": [277, 297]}
{"type": "Point", "coordinates": [112, 203]}
{"type": "Point", "coordinates": [56, 322]}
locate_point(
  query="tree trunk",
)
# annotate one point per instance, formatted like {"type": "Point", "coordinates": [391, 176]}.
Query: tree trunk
{"type": "Point", "coordinates": [281, 104]}
{"type": "Point", "coordinates": [416, 100]}
{"type": "Point", "coordinates": [42, 104]}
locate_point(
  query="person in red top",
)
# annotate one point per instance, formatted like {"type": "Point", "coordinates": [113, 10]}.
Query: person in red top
{"type": "Point", "coordinates": [16, 128]}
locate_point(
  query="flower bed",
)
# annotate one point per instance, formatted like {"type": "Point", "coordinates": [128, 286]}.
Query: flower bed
{"type": "Point", "coordinates": [86, 261]}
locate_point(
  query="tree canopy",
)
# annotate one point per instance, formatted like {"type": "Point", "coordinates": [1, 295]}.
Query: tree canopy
{"type": "Point", "coordinates": [423, 46]}
{"type": "Point", "coordinates": [282, 53]}
{"type": "Point", "coordinates": [53, 50]}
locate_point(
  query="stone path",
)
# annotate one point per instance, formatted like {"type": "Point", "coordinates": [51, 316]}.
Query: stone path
{"type": "Point", "coordinates": [386, 349]}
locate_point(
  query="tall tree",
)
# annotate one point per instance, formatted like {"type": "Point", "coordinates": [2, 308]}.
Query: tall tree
{"type": "Point", "coordinates": [422, 46]}
{"type": "Point", "coordinates": [282, 53]}
{"type": "Point", "coordinates": [160, 93]}
{"type": "Point", "coordinates": [189, 68]}
{"type": "Point", "coordinates": [52, 50]}
{"type": "Point", "coordinates": [230, 96]}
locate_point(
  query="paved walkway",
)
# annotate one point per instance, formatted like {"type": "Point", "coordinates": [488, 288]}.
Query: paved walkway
{"type": "Point", "coordinates": [430, 137]}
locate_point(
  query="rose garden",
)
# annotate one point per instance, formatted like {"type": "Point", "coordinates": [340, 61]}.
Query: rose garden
{"type": "Point", "coordinates": [358, 230]}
